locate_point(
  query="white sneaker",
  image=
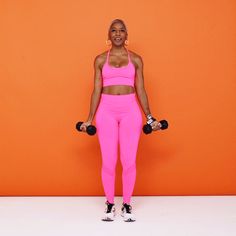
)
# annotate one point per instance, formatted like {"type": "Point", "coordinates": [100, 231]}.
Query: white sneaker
{"type": "Point", "coordinates": [126, 213]}
{"type": "Point", "coordinates": [110, 212]}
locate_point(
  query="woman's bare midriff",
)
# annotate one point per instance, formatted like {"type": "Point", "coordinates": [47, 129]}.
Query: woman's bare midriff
{"type": "Point", "coordinates": [118, 89]}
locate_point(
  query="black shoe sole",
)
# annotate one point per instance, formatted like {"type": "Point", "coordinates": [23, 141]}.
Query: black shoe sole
{"type": "Point", "coordinates": [129, 220]}
{"type": "Point", "coordinates": [107, 220]}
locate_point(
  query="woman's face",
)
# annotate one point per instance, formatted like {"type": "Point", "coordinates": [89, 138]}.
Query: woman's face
{"type": "Point", "coordinates": [117, 34]}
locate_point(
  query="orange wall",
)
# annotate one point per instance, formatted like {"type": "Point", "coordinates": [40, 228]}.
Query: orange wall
{"type": "Point", "coordinates": [46, 70]}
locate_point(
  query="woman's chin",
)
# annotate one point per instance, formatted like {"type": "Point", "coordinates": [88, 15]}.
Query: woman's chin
{"type": "Point", "coordinates": [118, 44]}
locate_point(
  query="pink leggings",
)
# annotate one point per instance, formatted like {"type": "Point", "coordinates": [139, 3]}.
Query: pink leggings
{"type": "Point", "coordinates": [118, 120]}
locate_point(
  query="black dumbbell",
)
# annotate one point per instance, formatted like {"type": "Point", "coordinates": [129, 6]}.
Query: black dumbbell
{"type": "Point", "coordinates": [147, 129]}
{"type": "Point", "coordinates": [91, 129]}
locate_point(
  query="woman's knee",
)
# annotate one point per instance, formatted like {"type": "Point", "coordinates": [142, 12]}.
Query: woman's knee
{"type": "Point", "coordinates": [130, 168]}
{"type": "Point", "coordinates": [109, 169]}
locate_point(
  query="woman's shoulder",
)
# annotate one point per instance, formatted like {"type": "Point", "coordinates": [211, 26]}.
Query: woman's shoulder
{"type": "Point", "coordinates": [135, 57]}
{"type": "Point", "coordinates": [101, 58]}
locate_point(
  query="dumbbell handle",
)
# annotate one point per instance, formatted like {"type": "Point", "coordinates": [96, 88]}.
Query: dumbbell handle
{"type": "Point", "coordinates": [91, 129]}
{"type": "Point", "coordinates": [147, 129]}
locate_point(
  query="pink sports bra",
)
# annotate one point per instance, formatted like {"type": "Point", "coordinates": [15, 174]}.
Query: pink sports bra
{"type": "Point", "coordinates": [123, 75]}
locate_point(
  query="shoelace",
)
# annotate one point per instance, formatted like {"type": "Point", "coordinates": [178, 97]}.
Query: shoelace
{"type": "Point", "coordinates": [127, 207]}
{"type": "Point", "coordinates": [109, 207]}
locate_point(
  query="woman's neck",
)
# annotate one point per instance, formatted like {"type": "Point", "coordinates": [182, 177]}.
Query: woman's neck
{"type": "Point", "coordinates": [118, 50]}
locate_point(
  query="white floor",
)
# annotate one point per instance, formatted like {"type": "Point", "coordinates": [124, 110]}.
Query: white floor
{"type": "Point", "coordinates": [165, 215]}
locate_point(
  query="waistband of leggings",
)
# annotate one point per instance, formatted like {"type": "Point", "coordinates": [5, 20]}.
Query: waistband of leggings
{"type": "Point", "coordinates": [122, 98]}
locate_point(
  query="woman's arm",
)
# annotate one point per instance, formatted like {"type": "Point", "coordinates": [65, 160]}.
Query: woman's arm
{"type": "Point", "coordinates": [139, 86]}
{"type": "Point", "coordinates": [141, 92]}
{"type": "Point", "coordinates": [95, 96]}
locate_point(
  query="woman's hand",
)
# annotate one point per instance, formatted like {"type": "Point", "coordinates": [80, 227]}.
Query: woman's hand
{"type": "Point", "coordinates": [156, 125]}
{"type": "Point", "coordinates": [84, 126]}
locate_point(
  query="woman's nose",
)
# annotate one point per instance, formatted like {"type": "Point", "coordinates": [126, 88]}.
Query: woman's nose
{"type": "Point", "coordinates": [118, 32]}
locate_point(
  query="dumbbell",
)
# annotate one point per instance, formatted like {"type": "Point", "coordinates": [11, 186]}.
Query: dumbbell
{"type": "Point", "coordinates": [147, 129]}
{"type": "Point", "coordinates": [91, 129]}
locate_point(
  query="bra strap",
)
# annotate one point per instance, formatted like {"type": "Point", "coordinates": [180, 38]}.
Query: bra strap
{"type": "Point", "coordinates": [128, 54]}
{"type": "Point", "coordinates": [108, 53]}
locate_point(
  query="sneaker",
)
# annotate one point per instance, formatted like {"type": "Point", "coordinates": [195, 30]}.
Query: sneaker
{"type": "Point", "coordinates": [126, 212]}
{"type": "Point", "coordinates": [110, 212]}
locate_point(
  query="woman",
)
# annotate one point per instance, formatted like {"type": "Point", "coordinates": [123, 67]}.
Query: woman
{"type": "Point", "coordinates": [118, 78]}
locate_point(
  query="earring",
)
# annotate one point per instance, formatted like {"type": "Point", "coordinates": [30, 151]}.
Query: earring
{"type": "Point", "coordinates": [126, 42]}
{"type": "Point", "coordinates": [108, 42]}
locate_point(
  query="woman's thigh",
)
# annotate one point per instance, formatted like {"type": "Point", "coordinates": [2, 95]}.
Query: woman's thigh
{"type": "Point", "coordinates": [129, 133]}
{"type": "Point", "coordinates": [107, 131]}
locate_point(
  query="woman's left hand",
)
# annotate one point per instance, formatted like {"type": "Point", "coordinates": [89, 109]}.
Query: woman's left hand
{"type": "Point", "coordinates": [156, 125]}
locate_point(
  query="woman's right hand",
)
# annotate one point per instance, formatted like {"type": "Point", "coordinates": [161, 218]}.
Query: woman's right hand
{"type": "Point", "coordinates": [84, 126]}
